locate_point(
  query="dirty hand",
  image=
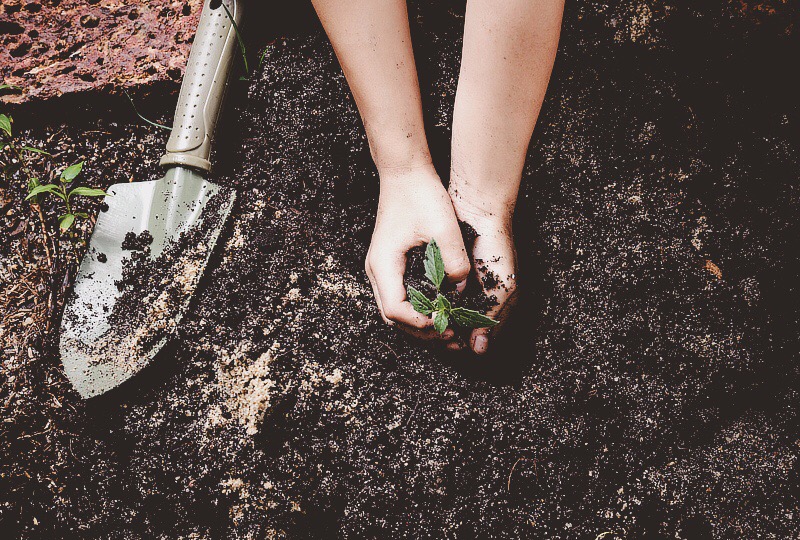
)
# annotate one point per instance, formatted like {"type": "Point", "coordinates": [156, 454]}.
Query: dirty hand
{"type": "Point", "coordinates": [413, 208]}
{"type": "Point", "coordinates": [494, 258]}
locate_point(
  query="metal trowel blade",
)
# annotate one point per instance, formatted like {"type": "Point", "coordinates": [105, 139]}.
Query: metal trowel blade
{"type": "Point", "coordinates": [145, 258]}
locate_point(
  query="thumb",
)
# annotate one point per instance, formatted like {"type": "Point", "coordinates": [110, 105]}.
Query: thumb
{"type": "Point", "coordinates": [454, 256]}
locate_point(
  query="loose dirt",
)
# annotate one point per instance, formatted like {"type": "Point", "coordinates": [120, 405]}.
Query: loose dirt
{"type": "Point", "coordinates": [640, 393]}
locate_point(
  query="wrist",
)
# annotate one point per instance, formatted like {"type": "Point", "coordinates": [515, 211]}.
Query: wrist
{"type": "Point", "coordinates": [391, 149]}
{"type": "Point", "coordinates": [408, 175]}
{"type": "Point", "coordinates": [481, 207]}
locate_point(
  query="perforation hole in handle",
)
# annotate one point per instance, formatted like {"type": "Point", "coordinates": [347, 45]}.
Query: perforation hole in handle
{"type": "Point", "coordinates": [218, 28]}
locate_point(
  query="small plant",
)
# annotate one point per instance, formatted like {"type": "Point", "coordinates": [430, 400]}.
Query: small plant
{"type": "Point", "coordinates": [140, 115]}
{"type": "Point", "coordinates": [17, 158]}
{"type": "Point", "coordinates": [242, 48]}
{"type": "Point", "coordinates": [59, 189]}
{"type": "Point", "coordinates": [441, 309]}
{"type": "Point", "coordinates": [8, 88]}
{"type": "Point", "coordinates": [240, 40]}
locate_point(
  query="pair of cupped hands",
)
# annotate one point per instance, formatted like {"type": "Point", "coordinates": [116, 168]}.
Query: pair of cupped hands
{"type": "Point", "coordinates": [413, 208]}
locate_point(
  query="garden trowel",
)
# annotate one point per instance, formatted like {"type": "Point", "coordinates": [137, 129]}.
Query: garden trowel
{"type": "Point", "coordinates": [152, 242]}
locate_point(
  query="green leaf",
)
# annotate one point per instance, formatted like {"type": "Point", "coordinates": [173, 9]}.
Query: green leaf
{"type": "Point", "coordinates": [420, 302]}
{"type": "Point", "coordinates": [238, 37]}
{"type": "Point", "coordinates": [440, 321]}
{"type": "Point", "coordinates": [443, 304]}
{"type": "Point", "coordinates": [5, 124]}
{"type": "Point", "coordinates": [36, 190]}
{"type": "Point", "coordinates": [83, 215]}
{"type": "Point", "coordinates": [69, 174]}
{"type": "Point", "coordinates": [4, 87]}
{"type": "Point", "coordinates": [264, 54]}
{"type": "Point", "coordinates": [87, 192]}
{"type": "Point", "coordinates": [155, 124]}
{"type": "Point", "coordinates": [33, 183]}
{"type": "Point", "coordinates": [36, 150]}
{"type": "Point", "coordinates": [434, 266]}
{"type": "Point", "coordinates": [66, 221]}
{"type": "Point", "coordinates": [469, 318]}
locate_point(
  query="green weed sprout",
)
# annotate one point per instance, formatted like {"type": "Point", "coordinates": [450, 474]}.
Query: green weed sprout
{"type": "Point", "coordinates": [441, 309]}
{"type": "Point", "coordinates": [16, 158]}
{"type": "Point", "coordinates": [59, 189]}
{"type": "Point", "coordinates": [242, 48]}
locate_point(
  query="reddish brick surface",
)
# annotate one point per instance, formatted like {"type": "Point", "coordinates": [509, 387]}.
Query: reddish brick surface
{"type": "Point", "coordinates": [54, 47]}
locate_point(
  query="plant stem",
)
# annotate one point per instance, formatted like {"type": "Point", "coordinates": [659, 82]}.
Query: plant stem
{"type": "Point", "coordinates": [66, 198]}
{"type": "Point", "coordinates": [50, 264]}
{"type": "Point", "coordinates": [239, 38]}
{"type": "Point", "coordinates": [46, 238]}
{"type": "Point", "coordinates": [156, 124]}
{"type": "Point", "coordinates": [21, 157]}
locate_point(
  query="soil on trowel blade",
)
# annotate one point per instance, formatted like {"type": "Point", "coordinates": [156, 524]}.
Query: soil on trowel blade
{"type": "Point", "coordinates": [140, 242]}
{"type": "Point", "coordinates": [154, 291]}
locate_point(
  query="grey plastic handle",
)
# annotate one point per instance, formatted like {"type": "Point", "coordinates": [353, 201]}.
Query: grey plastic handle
{"type": "Point", "coordinates": [203, 86]}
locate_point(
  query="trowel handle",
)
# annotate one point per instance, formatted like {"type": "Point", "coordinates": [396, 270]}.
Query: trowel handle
{"type": "Point", "coordinates": [203, 88]}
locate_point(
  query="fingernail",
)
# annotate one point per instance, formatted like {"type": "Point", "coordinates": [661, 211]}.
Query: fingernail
{"type": "Point", "coordinates": [481, 344]}
{"type": "Point", "coordinates": [461, 285]}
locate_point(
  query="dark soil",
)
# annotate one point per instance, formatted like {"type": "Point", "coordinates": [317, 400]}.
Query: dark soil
{"type": "Point", "coordinates": [647, 386]}
{"type": "Point", "coordinates": [154, 289]}
{"type": "Point", "coordinates": [134, 242]}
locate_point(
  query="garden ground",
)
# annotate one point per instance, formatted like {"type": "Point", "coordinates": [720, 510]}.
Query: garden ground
{"type": "Point", "coordinates": [647, 389]}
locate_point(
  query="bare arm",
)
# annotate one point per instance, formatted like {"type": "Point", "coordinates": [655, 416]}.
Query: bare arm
{"type": "Point", "coordinates": [508, 54]}
{"type": "Point", "coordinates": [373, 43]}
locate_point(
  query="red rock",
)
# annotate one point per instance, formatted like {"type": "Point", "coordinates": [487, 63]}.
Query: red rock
{"type": "Point", "coordinates": [51, 48]}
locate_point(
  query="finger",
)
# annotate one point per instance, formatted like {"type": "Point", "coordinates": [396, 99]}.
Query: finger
{"type": "Point", "coordinates": [480, 337]}
{"type": "Point", "coordinates": [455, 258]}
{"type": "Point", "coordinates": [387, 270]}
{"type": "Point", "coordinates": [428, 334]}
{"type": "Point", "coordinates": [505, 293]}
{"type": "Point", "coordinates": [375, 293]}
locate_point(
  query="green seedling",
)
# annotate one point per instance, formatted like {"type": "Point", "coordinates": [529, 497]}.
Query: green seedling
{"type": "Point", "coordinates": [441, 309]}
{"type": "Point", "coordinates": [140, 115]}
{"type": "Point", "coordinates": [59, 189]}
{"type": "Point", "coordinates": [13, 157]}
{"type": "Point", "coordinates": [16, 158]}
{"type": "Point", "coordinates": [242, 47]}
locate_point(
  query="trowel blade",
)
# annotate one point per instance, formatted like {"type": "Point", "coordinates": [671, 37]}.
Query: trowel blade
{"type": "Point", "coordinates": [145, 258]}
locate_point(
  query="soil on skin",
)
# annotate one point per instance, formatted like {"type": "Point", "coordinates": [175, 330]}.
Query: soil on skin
{"type": "Point", "coordinates": [477, 295]}
{"type": "Point", "coordinates": [648, 385]}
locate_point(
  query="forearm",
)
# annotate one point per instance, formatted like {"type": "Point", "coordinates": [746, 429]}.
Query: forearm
{"type": "Point", "coordinates": [373, 43]}
{"type": "Point", "coordinates": [508, 54]}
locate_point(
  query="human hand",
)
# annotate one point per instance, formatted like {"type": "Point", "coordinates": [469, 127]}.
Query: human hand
{"type": "Point", "coordinates": [495, 261]}
{"type": "Point", "coordinates": [413, 208]}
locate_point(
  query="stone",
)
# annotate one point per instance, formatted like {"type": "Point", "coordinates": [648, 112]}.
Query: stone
{"type": "Point", "coordinates": [51, 48]}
